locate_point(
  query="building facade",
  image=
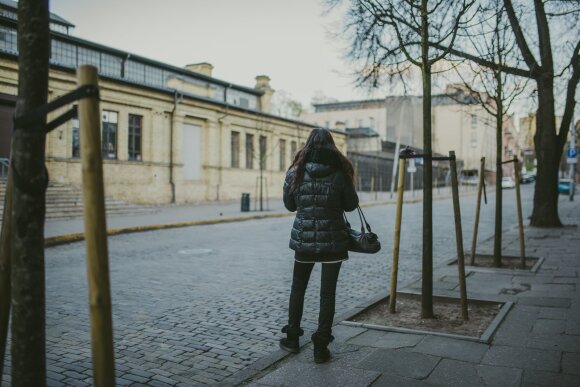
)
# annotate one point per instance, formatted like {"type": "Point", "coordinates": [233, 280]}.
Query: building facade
{"type": "Point", "coordinates": [459, 123]}
{"type": "Point", "coordinates": [169, 134]}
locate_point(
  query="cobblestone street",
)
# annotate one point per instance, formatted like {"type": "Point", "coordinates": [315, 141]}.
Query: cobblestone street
{"type": "Point", "coordinates": [195, 305]}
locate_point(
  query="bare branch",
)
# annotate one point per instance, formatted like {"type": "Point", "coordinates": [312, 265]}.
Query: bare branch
{"type": "Point", "coordinates": [520, 38]}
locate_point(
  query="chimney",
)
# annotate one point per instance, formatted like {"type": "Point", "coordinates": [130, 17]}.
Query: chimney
{"type": "Point", "coordinates": [263, 85]}
{"type": "Point", "coordinates": [203, 68]}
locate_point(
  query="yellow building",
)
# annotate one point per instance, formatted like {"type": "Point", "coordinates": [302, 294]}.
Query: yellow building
{"type": "Point", "coordinates": [169, 134]}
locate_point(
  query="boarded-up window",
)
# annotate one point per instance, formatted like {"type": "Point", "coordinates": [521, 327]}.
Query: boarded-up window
{"type": "Point", "coordinates": [249, 151]}
{"type": "Point", "coordinates": [282, 155]}
{"type": "Point", "coordinates": [235, 150]}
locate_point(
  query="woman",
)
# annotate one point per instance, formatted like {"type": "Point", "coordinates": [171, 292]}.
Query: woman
{"type": "Point", "coordinates": [319, 185]}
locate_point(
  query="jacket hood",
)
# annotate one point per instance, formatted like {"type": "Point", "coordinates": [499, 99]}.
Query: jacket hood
{"type": "Point", "coordinates": [318, 170]}
{"type": "Point", "coordinates": [322, 162]}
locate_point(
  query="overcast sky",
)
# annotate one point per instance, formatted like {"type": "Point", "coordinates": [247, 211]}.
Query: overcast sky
{"type": "Point", "coordinates": [291, 41]}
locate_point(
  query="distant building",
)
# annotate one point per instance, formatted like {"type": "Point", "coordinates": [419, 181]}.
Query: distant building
{"type": "Point", "coordinates": [528, 132]}
{"type": "Point", "coordinates": [169, 134]}
{"type": "Point", "coordinates": [459, 123]}
{"type": "Point", "coordinates": [369, 114]}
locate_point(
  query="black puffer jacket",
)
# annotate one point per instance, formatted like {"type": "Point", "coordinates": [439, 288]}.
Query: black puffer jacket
{"type": "Point", "coordinates": [319, 233]}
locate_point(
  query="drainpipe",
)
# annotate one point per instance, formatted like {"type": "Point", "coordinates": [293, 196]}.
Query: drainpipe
{"type": "Point", "coordinates": [220, 120]}
{"type": "Point", "coordinates": [176, 99]}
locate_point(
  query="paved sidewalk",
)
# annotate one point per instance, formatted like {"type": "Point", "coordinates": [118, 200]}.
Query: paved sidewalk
{"type": "Point", "coordinates": [537, 343]}
{"type": "Point", "coordinates": [70, 230]}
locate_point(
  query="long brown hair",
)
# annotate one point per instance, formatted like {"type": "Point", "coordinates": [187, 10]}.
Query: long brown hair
{"type": "Point", "coordinates": [319, 140]}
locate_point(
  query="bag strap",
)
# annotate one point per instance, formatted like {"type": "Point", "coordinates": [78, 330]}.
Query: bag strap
{"type": "Point", "coordinates": [345, 220]}
{"type": "Point", "coordinates": [362, 216]}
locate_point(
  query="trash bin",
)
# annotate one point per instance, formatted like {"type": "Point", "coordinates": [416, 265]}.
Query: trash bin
{"type": "Point", "coordinates": [245, 202]}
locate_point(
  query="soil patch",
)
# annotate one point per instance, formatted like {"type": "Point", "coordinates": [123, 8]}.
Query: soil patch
{"type": "Point", "coordinates": [507, 262]}
{"type": "Point", "coordinates": [447, 315]}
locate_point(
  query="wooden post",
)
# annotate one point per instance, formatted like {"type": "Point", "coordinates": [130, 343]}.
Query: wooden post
{"type": "Point", "coordinates": [96, 234]}
{"type": "Point", "coordinates": [477, 209]}
{"type": "Point", "coordinates": [520, 218]}
{"type": "Point", "coordinates": [458, 236]}
{"type": "Point", "coordinates": [5, 251]}
{"type": "Point", "coordinates": [395, 266]}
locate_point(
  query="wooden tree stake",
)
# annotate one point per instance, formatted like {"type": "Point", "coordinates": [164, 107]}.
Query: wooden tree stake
{"type": "Point", "coordinates": [395, 266]}
{"type": "Point", "coordinates": [477, 209]}
{"type": "Point", "coordinates": [96, 234]}
{"type": "Point", "coordinates": [520, 218]}
{"type": "Point", "coordinates": [458, 237]}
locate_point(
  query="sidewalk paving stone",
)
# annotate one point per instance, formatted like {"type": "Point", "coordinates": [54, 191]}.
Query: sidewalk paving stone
{"type": "Point", "coordinates": [549, 327]}
{"type": "Point", "coordinates": [382, 339]}
{"type": "Point", "coordinates": [551, 379]}
{"type": "Point", "coordinates": [571, 363]}
{"type": "Point", "coordinates": [389, 380]}
{"type": "Point", "coordinates": [455, 373]}
{"type": "Point", "coordinates": [310, 374]}
{"type": "Point", "coordinates": [527, 358]}
{"type": "Point", "coordinates": [500, 376]}
{"type": "Point", "coordinates": [400, 362]}
{"type": "Point", "coordinates": [463, 350]}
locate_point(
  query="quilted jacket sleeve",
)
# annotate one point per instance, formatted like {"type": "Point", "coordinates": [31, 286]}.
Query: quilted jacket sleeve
{"type": "Point", "coordinates": [349, 196]}
{"type": "Point", "coordinates": [288, 197]}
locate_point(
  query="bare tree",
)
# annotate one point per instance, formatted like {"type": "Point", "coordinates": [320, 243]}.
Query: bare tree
{"type": "Point", "coordinates": [547, 61]}
{"type": "Point", "coordinates": [493, 89]}
{"type": "Point", "coordinates": [30, 181]}
{"type": "Point", "coordinates": [390, 36]}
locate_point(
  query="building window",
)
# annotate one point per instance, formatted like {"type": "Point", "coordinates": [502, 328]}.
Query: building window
{"type": "Point", "coordinates": [8, 40]}
{"type": "Point", "coordinates": [153, 76]}
{"type": "Point", "coordinates": [135, 132]}
{"type": "Point", "coordinates": [110, 120]}
{"type": "Point", "coordinates": [88, 56]}
{"type": "Point", "coordinates": [249, 151]}
{"type": "Point", "coordinates": [235, 151]}
{"type": "Point", "coordinates": [293, 149]}
{"type": "Point", "coordinates": [326, 124]}
{"type": "Point", "coordinates": [360, 123]}
{"type": "Point", "coordinates": [64, 54]}
{"type": "Point", "coordinates": [473, 139]}
{"type": "Point", "coordinates": [76, 145]}
{"type": "Point", "coordinates": [111, 65]}
{"type": "Point", "coordinates": [135, 71]}
{"type": "Point", "coordinates": [282, 155]}
{"type": "Point", "coordinates": [372, 122]}
{"type": "Point", "coordinates": [473, 121]}
{"type": "Point", "coordinates": [263, 156]}
{"type": "Point", "coordinates": [346, 124]}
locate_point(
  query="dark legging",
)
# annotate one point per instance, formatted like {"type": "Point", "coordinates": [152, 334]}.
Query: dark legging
{"type": "Point", "coordinates": [300, 279]}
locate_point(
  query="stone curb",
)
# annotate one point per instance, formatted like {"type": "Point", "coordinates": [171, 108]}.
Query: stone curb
{"type": "Point", "coordinates": [77, 237]}
{"type": "Point", "coordinates": [70, 238]}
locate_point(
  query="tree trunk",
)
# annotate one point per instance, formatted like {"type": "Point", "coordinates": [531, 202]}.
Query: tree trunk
{"type": "Point", "coordinates": [548, 153]}
{"type": "Point", "coordinates": [5, 252]}
{"type": "Point", "coordinates": [427, 280]}
{"type": "Point", "coordinates": [499, 171]}
{"type": "Point", "coordinates": [30, 179]}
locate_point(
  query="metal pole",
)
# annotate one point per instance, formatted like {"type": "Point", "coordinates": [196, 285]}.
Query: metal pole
{"type": "Point", "coordinates": [395, 266]}
{"type": "Point", "coordinates": [96, 234]}
{"type": "Point", "coordinates": [477, 209]}
{"type": "Point", "coordinates": [458, 237]}
{"type": "Point", "coordinates": [520, 218]}
{"type": "Point", "coordinates": [395, 162]}
{"type": "Point", "coordinates": [572, 165]}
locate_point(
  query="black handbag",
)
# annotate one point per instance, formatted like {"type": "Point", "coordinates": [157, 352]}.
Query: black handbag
{"type": "Point", "coordinates": [364, 241]}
